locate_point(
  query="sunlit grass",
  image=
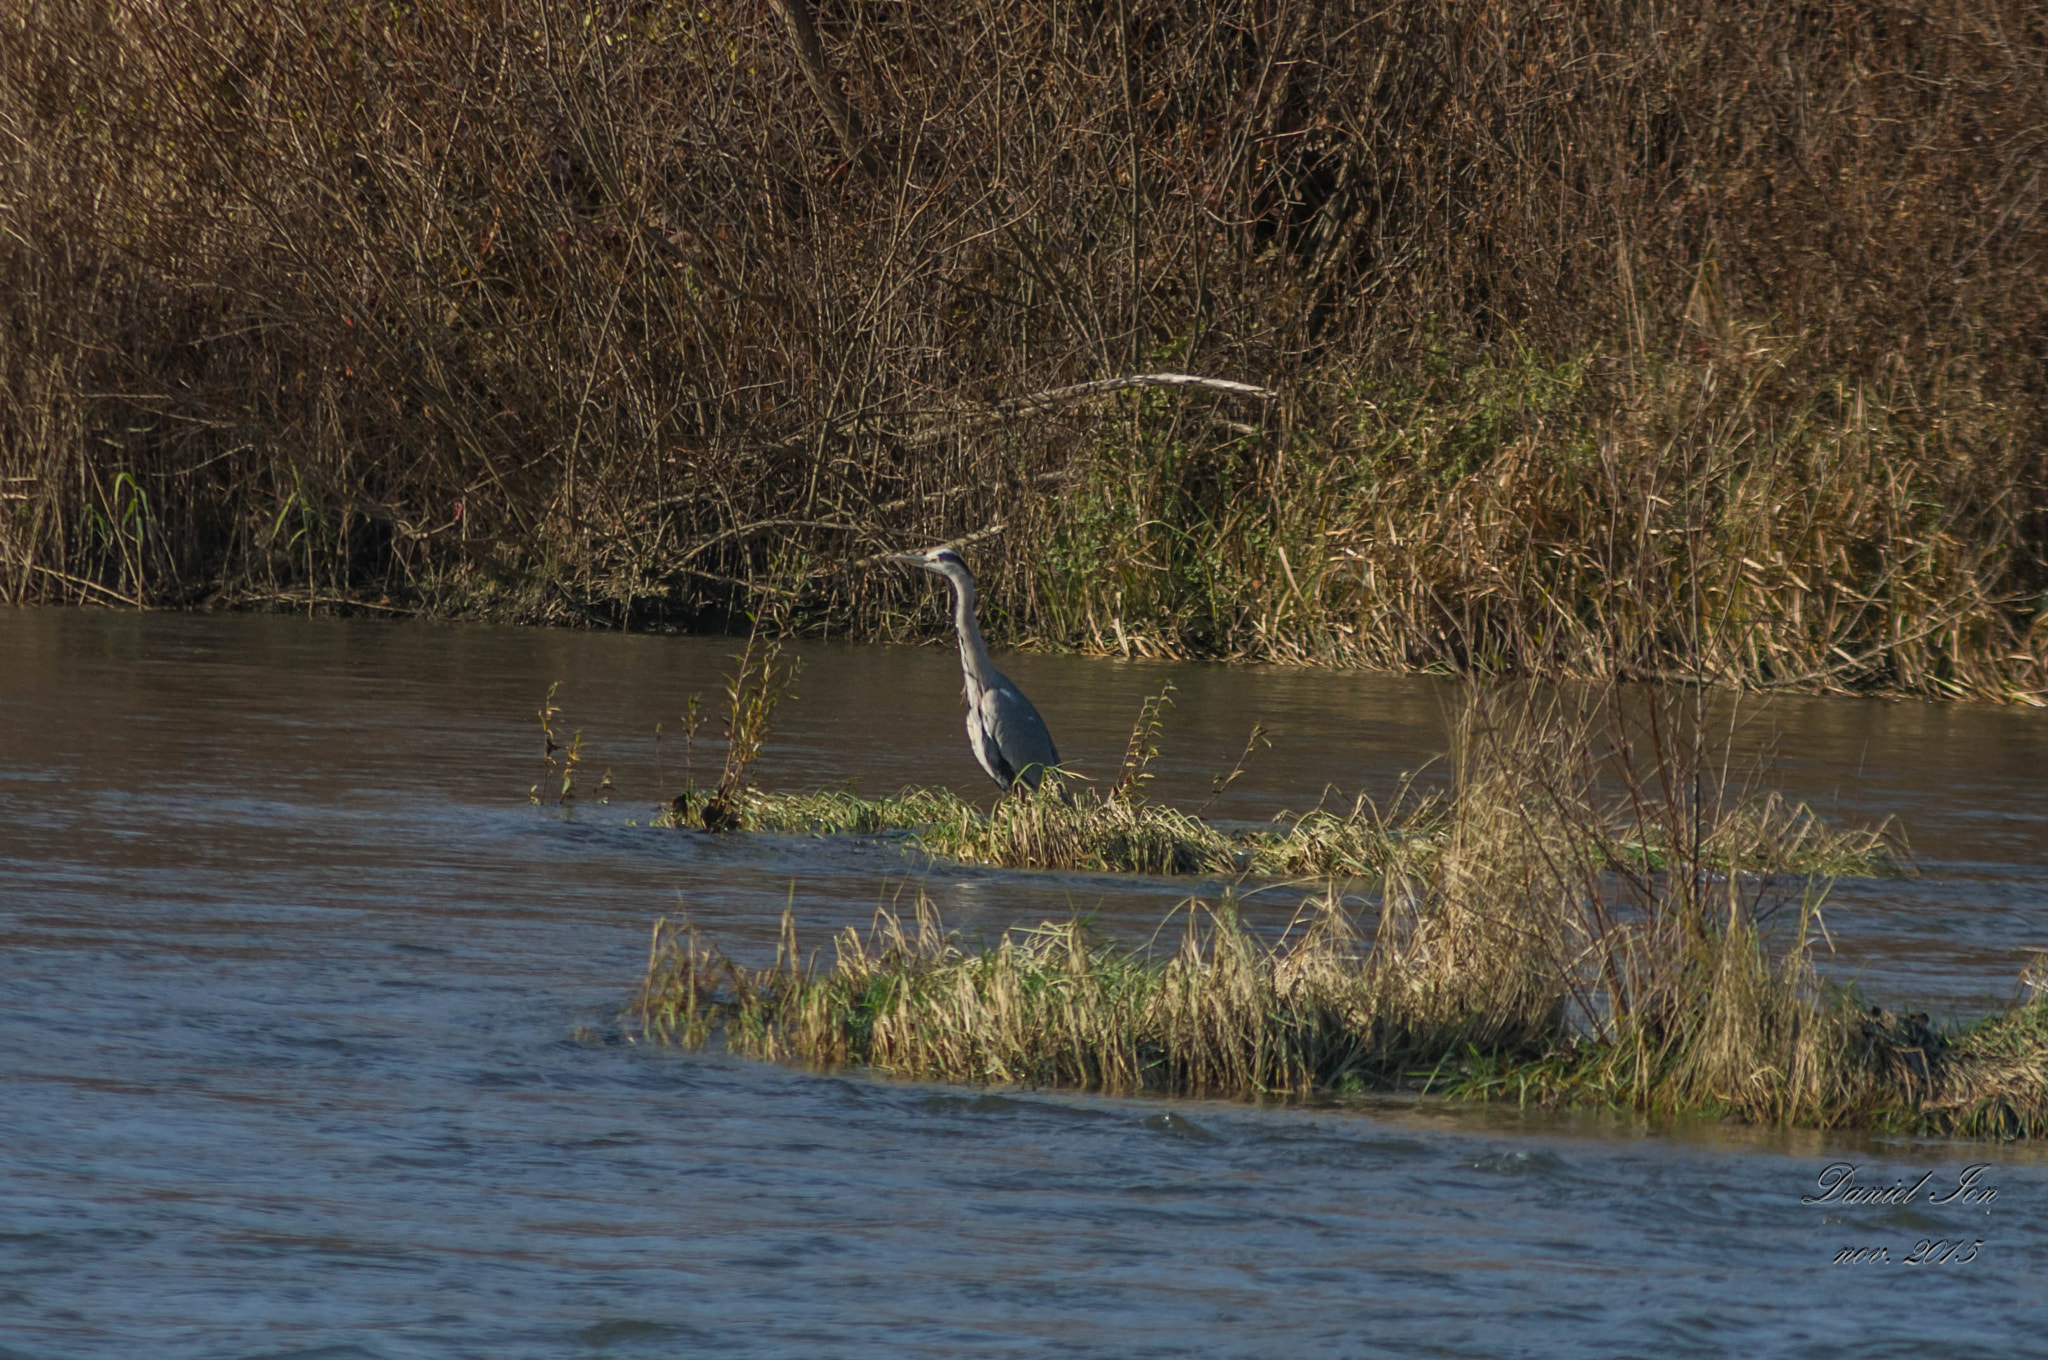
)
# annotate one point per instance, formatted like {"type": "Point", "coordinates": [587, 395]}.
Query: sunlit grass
{"type": "Point", "coordinates": [1539, 938]}
{"type": "Point", "coordinates": [1089, 832]}
{"type": "Point", "coordinates": [1219, 1011]}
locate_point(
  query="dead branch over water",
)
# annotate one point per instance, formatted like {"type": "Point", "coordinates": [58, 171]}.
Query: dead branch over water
{"type": "Point", "coordinates": [1611, 340]}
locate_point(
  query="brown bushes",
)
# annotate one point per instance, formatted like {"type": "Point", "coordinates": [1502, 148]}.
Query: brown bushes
{"type": "Point", "coordinates": [1613, 339]}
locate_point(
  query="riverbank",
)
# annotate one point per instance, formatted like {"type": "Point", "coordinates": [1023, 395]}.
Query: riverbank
{"type": "Point", "coordinates": [1638, 367]}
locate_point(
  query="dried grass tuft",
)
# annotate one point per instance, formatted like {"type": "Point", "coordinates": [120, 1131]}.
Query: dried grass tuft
{"type": "Point", "coordinates": [1535, 954]}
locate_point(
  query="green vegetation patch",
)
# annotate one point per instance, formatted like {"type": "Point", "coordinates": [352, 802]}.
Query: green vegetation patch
{"type": "Point", "coordinates": [1114, 833]}
{"type": "Point", "coordinates": [1113, 827]}
{"type": "Point", "coordinates": [1090, 832]}
{"type": "Point", "coordinates": [1539, 938]}
{"type": "Point", "coordinates": [1326, 1010]}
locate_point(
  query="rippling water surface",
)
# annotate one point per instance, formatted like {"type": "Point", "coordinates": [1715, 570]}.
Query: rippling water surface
{"type": "Point", "coordinates": [308, 1041]}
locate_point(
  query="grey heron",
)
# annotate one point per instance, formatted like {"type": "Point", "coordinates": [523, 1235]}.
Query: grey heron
{"type": "Point", "coordinates": [1004, 730]}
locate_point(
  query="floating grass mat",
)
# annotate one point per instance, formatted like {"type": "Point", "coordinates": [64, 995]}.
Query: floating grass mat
{"type": "Point", "coordinates": [1096, 833]}
{"type": "Point", "coordinates": [1091, 832]}
{"type": "Point", "coordinates": [1715, 1027]}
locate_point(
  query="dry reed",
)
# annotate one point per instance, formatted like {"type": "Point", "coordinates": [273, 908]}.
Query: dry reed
{"type": "Point", "coordinates": [1450, 1011]}
{"type": "Point", "coordinates": [1606, 346]}
{"type": "Point", "coordinates": [1536, 954]}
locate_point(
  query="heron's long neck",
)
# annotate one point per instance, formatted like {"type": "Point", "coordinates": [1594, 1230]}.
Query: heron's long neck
{"type": "Point", "coordinates": [973, 651]}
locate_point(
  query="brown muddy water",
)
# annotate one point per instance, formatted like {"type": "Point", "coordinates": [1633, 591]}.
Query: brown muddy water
{"type": "Point", "coordinates": [309, 1041]}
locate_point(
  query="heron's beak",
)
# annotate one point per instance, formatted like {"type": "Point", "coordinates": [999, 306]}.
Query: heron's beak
{"type": "Point", "coordinates": [908, 559]}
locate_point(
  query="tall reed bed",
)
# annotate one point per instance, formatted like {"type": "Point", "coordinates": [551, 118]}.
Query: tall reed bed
{"type": "Point", "coordinates": [1588, 323]}
{"type": "Point", "coordinates": [1697, 516]}
{"type": "Point", "coordinates": [1537, 955]}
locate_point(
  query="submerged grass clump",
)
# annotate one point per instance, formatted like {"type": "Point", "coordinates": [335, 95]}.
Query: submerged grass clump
{"type": "Point", "coordinates": [1074, 825]}
{"type": "Point", "coordinates": [829, 812]}
{"type": "Point", "coordinates": [1065, 825]}
{"type": "Point", "coordinates": [1091, 832]}
{"type": "Point", "coordinates": [1548, 947]}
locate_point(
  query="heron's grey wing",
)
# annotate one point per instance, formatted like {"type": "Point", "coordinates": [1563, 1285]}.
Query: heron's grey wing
{"type": "Point", "coordinates": [1017, 732]}
{"type": "Point", "coordinates": [982, 742]}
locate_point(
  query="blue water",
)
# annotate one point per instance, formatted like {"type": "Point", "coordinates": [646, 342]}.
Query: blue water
{"type": "Point", "coordinates": [309, 1043]}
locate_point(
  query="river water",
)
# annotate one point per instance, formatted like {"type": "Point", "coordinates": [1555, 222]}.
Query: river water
{"type": "Point", "coordinates": [309, 1040]}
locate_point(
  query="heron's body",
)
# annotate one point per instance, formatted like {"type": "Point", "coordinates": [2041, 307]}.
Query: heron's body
{"type": "Point", "coordinates": [1004, 731]}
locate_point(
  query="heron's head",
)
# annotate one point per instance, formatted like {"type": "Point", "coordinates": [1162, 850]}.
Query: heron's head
{"type": "Point", "coordinates": [941, 559]}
